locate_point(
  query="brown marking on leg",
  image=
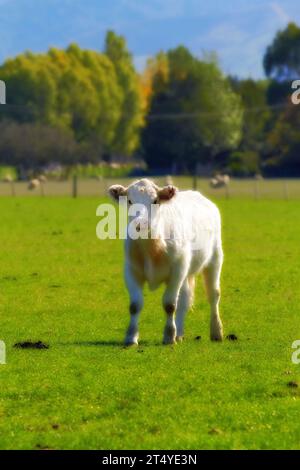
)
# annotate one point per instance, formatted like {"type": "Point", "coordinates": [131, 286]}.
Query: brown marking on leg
{"type": "Point", "coordinates": [134, 308]}
{"type": "Point", "coordinates": [170, 329]}
{"type": "Point", "coordinates": [169, 309]}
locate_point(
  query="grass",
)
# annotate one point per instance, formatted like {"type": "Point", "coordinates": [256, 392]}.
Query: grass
{"type": "Point", "coordinates": [61, 285]}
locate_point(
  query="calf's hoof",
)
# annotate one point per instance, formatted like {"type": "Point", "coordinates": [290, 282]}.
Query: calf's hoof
{"type": "Point", "coordinates": [130, 342]}
{"type": "Point", "coordinates": [130, 345]}
{"type": "Point", "coordinates": [216, 336]}
{"type": "Point", "coordinates": [169, 341]}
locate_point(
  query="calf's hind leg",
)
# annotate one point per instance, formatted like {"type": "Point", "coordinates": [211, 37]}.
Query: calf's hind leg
{"type": "Point", "coordinates": [211, 275]}
{"type": "Point", "coordinates": [135, 289]}
{"type": "Point", "coordinates": [184, 302]}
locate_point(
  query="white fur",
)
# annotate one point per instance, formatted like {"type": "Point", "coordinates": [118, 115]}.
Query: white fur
{"type": "Point", "coordinates": [187, 232]}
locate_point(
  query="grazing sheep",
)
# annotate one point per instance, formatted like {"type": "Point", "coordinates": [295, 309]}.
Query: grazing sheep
{"type": "Point", "coordinates": [33, 184]}
{"type": "Point", "coordinates": [219, 181]}
{"type": "Point", "coordinates": [172, 236]}
{"type": "Point", "coordinates": [7, 179]}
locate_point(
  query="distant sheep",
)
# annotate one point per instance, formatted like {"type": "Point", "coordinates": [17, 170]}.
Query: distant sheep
{"type": "Point", "coordinates": [33, 184]}
{"type": "Point", "coordinates": [42, 179]}
{"type": "Point", "coordinates": [220, 181]}
{"type": "Point", "coordinates": [8, 179]}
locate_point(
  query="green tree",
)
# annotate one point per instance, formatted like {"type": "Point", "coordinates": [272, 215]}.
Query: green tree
{"type": "Point", "coordinates": [284, 144]}
{"type": "Point", "coordinates": [282, 57]}
{"type": "Point", "coordinates": [31, 145]}
{"type": "Point", "coordinates": [93, 95]}
{"type": "Point", "coordinates": [127, 134]}
{"type": "Point", "coordinates": [282, 66]}
{"type": "Point", "coordinates": [256, 112]}
{"type": "Point", "coordinates": [194, 113]}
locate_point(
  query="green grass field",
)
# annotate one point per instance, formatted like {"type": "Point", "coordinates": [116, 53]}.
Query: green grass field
{"type": "Point", "coordinates": [61, 285]}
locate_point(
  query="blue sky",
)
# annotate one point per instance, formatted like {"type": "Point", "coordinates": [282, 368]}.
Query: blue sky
{"type": "Point", "coordinates": [238, 30]}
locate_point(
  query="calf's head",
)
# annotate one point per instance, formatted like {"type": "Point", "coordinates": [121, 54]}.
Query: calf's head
{"type": "Point", "coordinates": [143, 199]}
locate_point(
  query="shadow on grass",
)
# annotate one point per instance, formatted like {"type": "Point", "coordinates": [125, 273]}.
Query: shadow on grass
{"type": "Point", "coordinates": [92, 343]}
{"type": "Point", "coordinates": [103, 343]}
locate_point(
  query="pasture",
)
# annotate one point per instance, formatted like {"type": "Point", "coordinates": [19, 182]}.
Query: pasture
{"type": "Point", "coordinates": [61, 285]}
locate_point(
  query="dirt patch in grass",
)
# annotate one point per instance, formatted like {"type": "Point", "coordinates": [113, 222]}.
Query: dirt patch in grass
{"type": "Point", "coordinates": [215, 431]}
{"type": "Point", "coordinates": [232, 337]}
{"type": "Point", "coordinates": [293, 384]}
{"type": "Point", "coordinates": [31, 345]}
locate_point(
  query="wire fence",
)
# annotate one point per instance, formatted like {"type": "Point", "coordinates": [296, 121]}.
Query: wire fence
{"type": "Point", "coordinates": [283, 189]}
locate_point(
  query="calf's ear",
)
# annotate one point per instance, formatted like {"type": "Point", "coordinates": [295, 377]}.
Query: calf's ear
{"type": "Point", "coordinates": [116, 191]}
{"type": "Point", "coordinates": [166, 193]}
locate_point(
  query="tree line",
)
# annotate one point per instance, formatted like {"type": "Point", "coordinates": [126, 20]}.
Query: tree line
{"type": "Point", "coordinates": [181, 114]}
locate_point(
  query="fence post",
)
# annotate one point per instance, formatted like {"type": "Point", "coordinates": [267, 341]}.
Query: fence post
{"type": "Point", "coordinates": [75, 186]}
{"type": "Point", "coordinates": [195, 177]}
{"type": "Point", "coordinates": [256, 189]}
{"type": "Point", "coordinates": [195, 182]}
{"type": "Point", "coordinates": [105, 187]}
{"type": "Point", "coordinates": [285, 190]}
{"type": "Point", "coordinates": [12, 188]}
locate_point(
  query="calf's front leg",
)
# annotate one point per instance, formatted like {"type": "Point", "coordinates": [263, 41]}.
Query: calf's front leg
{"type": "Point", "coordinates": [135, 289]}
{"type": "Point", "coordinates": [170, 300]}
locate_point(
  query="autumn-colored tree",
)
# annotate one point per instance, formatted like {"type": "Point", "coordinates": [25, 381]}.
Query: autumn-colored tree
{"type": "Point", "coordinates": [154, 77]}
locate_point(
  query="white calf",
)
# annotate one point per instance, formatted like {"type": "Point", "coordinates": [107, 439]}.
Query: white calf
{"type": "Point", "coordinates": [179, 238]}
